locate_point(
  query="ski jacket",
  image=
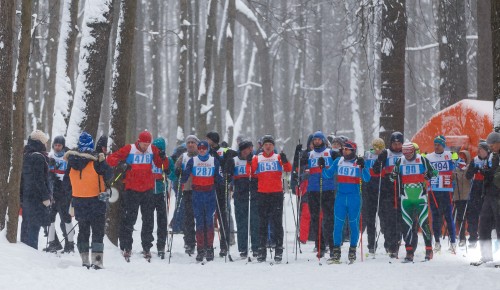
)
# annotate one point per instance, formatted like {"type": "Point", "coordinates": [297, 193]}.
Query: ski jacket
{"type": "Point", "coordinates": [348, 175]}
{"type": "Point", "coordinates": [160, 182]}
{"type": "Point", "coordinates": [445, 165]}
{"type": "Point", "coordinates": [204, 171]}
{"type": "Point", "coordinates": [242, 180]}
{"type": "Point", "coordinates": [462, 183]}
{"type": "Point", "coordinates": [181, 164]}
{"type": "Point", "coordinates": [57, 168]}
{"type": "Point", "coordinates": [315, 171]}
{"type": "Point", "coordinates": [35, 183]}
{"type": "Point", "coordinates": [269, 170]}
{"type": "Point", "coordinates": [140, 176]}
{"type": "Point", "coordinates": [85, 176]}
{"type": "Point", "coordinates": [416, 171]}
{"type": "Point", "coordinates": [370, 159]}
{"type": "Point", "coordinates": [385, 163]}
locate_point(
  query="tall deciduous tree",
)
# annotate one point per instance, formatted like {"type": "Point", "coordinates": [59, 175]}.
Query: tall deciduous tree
{"type": "Point", "coordinates": [484, 53]}
{"type": "Point", "coordinates": [18, 120]}
{"type": "Point", "coordinates": [452, 52]}
{"type": "Point", "coordinates": [231, 15]}
{"type": "Point", "coordinates": [122, 66]}
{"type": "Point", "coordinates": [495, 40]}
{"type": "Point", "coordinates": [7, 16]}
{"type": "Point", "coordinates": [183, 62]}
{"type": "Point", "coordinates": [394, 25]}
{"type": "Point", "coordinates": [91, 70]}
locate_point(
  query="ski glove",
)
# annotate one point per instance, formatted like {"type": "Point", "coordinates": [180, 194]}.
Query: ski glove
{"type": "Point", "coordinates": [382, 156]}
{"type": "Point", "coordinates": [101, 157]}
{"type": "Point", "coordinates": [162, 154]}
{"type": "Point", "coordinates": [178, 171]}
{"type": "Point", "coordinates": [124, 166]}
{"type": "Point", "coordinates": [298, 148]}
{"type": "Point", "coordinates": [321, 162]}
{"type": "Point", "coordinates": [361, 162]}
{"type": "Point", "coordinates": [249, 158]}
{"type": "Point", "coordinates": [283, 158]}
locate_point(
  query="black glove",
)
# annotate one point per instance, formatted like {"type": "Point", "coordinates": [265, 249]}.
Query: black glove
{"type": "Point", "coordinates": [178, 171]}
{"type": "Point", "coordinates": [124, 166]}
{"type": "Point", "coordinates": [361, 162]}
{"type": "Point", "coordinates": [52, 162]}
{"type": "Point", "coordinates": [321, 162]}
{"type": "Point", "coordinates": [162, 154]}
{"type": "Point", "coordinates": [382, 156]}
{"type": "Point", "coordinates": [249, 157]}
{"type": "Point", "coordinates": [486, 172]}
{"type": "Point", "coordinates": [283, 158]}
{"type": "Point", "coordinates": [298, 148]}
{"type": "Point", "coordinates": [166, 171]}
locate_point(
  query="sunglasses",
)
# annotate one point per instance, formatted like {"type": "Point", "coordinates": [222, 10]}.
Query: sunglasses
{"type": "Point", "coordinates": [202, 148]}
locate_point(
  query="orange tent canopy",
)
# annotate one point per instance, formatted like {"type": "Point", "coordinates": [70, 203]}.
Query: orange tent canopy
{"type": "Point", "coordinates": [463, 124]}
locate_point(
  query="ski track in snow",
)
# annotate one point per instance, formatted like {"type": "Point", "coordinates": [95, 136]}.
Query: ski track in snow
{"type": "Point", "coordinates": [25, 268]}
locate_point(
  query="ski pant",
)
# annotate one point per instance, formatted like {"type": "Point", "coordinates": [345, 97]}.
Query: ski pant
{"type": "Point", "coordinates": [369, 210]}
{"type": "Point", "coordinates": [390, 214]}
{"type": "Point", "coordinates": [131, 202]}
{"type": "Point", "coordinates": [241, 214]}
{"type": "Point", "coordinates": [91, 216]}
{"type": "Point", "coordinates": [160, 206]}
{"type": "Point", "coordinates": [444, 207]}
{"type": "Point", "coordinates": [204, 204]}
{"type": "Point", "coordinates": [347, 204]}
{"type": "Point", "coordinates": [178, 218]}
{"type": "Point", "coordinates": [29, 232]}
{"type": "Point", "coordinates": [459, 217]}
{"type": "Point", "coordinates": [270, 211]}
{"type": "Point", "coordinates": [474, 206]}
{"type": "Point", "coordinates": [305, 221]}
{"type": "Point", "coordinates": [489, 219]}
{"type": "Point", "coordinates": [414, 208]}
{"type": "Point", "coordinates": [61, 206]}
{"type": "Point", "coordinates": [222, 200]}
{"type": "Point", "coordinates": [327, 201]}
{"type": "Point", "coordinates": [188, 226]}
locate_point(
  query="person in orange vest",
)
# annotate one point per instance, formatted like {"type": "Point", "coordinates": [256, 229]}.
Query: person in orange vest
{"type": "Point", "coordinates": [269, 167]}
{"type": "Point", "coordinates": [137, 162]}
{"type": "Point", "coordinates": [87, 176]}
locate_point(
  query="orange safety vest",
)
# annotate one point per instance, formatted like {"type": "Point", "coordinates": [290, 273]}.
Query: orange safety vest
{"type": "Point", "coordinates": [86, 183]}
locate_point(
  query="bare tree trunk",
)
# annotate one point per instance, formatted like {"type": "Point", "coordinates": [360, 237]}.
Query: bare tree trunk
{"type": "Point", "coordinates": [206, 75]}
{"type": "Point", "coordinates": [495, 40]}
{"type": "Point", "coordinates": [231, 15]}
{"type": "Point", "coordinates": [484, 54]}
{"type": "Point", "coordinates": [452, 52]}
{"type": "Point", "coordinates": [286, 96]}
{"type": "Point", "coordinates": [392, 104]}
{"type": "Point", "coordinates": [183, 61]}
{"type": "Point", "coordinates": [120, 92]}
{"type": "Point", "coordinates": [297, 92]}
{"type": "Point", "coordinates": [7, 18]}
{"type": "Point", "coordinates": [318, 68]}
{"type": "Point", "coordinates": [18, 120]}
{"type": "Point", "coordinates": [65, 67]}
{"type": "Point", "coordinates": [52, 46]}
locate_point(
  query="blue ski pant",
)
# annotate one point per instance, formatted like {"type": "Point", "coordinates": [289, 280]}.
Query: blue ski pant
{"type": "Point", "coordinates": [346, 205]}
{"type": "Point", "coordinates": [204, 204]}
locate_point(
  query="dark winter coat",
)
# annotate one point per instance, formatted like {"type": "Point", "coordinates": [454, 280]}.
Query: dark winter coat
{"type": "Point", "coordinates": [35, 183]}
{"type": "Point", "coordinates": [462, 183]}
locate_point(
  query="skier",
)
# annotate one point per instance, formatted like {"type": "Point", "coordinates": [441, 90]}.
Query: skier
{"type": "Point", "coordinates": [348, 171]}
{"type": "Point", "coordinates": [35, 193]}
{"type": "Point", "coordinates": [411, 172]}
{"type": "Point", "coordinates": [371, 193]}
{"type": "Point", "coordinates": [177, 222]}
{"type": "Point", "coordinates": [222, 154]}
{"type": "Point", "coordinates": [204, 172]}
{"type": "Point", "coordinates": [187, 194]}
{"type": "Point", "coordinates": [490, 212]}
{"type": "Point", "coordinates": [159, 198]}
{"type": "Point", "coordinates": [244, 184]}
{"type": "Point", "coordinates": [483, 160]}
{"type": "Point", "coordinates": [389, 210]}
{"type": "Point", "coordinates": [269, 166]}
{"type": "Point", "coordinates": [442, 188]}
{"type": "Point", "coordinates": [137, 160]}
{"type": "Point", "coordinates": [461, 197]}
{"type": "Point", "coordinates": [321, 192]}
{"type": "Point", "coordinates": [62, 199]}
{"type": "Point", "coordinates": [88, 176]}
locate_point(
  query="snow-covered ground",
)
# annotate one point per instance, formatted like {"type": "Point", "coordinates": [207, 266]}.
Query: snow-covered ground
{"type": "Point", "coordinates": [24, 268]}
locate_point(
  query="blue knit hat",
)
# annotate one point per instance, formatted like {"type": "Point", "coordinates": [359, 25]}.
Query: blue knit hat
{"type": "Point", "coordinates": [85, 142]}
{"type": "Point", "coordinates": [440, 140]}
{"type": "Point", "coordinates": [160, 143]}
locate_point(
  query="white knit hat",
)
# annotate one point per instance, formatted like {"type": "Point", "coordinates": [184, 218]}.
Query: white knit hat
{"type": "Point", "coordinates": [40, 136]}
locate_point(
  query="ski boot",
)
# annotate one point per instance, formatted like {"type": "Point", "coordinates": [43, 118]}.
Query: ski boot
{"type": "Point", "coordinates": [321, 253]}
{"type": "Point", "coordinates": [437, 247]}
{"type": "Point", "coordinates": [189, 249]}
{"type": "Point", "coordinates": [147, 255]}
{"type": "Point", "coordinates": [255, 253]}
{"type": "Point", "coordinates": [393, 255]}
{"type": "Point", "coordinates": [262, 255]}
{"type": "Point", "coordinates": [53, 247]}
{"type": "Point", "coordinates": [69, 247]}
{"type": "Point", "coordinates": [278, 256]}
{"type": "Point", "coordinates": [210, 254]}
{"type": "Point", "coordinates": [409, 257]}
{"type": "Point", "coordinates": [473, 244]}
{"type": "Point", "coordinates": [480, 262]}
{"type": "Point", "coordinates": [126, 254]}
{"type": "Point", "coordinates": [161, 253]}
{"type": "Point", "coordinates": [244, 255]}
{"type": "Point", "coordinates": [428, 253]}
{"type": "Point", "coordinates": [223, 252]}
{"type": "Point", "coordinates": [85, 259]}
{"type": "Point", "coordinates": [200, 255]}
{"type": "Point", "coordinates": [334, 256]}
{"type": "Point", "coordinates": [97, 261]}
{"type": "Point", "coordinates": [351, 255]}
{"type": "Point", "coordinates": [461, 244]}
{"type": "Point", "coordinates": [453, 248]}
{"type": "Point", "coordinates": [371, 251]}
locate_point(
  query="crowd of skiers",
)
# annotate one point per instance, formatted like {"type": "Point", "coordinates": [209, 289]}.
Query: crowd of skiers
{"type": "Point", "coordinates": [339, 193]}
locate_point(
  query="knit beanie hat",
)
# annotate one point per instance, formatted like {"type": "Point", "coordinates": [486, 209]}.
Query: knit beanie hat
{"type": "Point", "coordinates": [493, 137]}
{"type": "Point", "coordinates": [145, 137]}
{"type": "Point", "coordinates": [85, 142]}
{"type": "Point", "coordinates": [440, 140]}
{"type": "Point", "coordinates": [214, 136]}
{"type": "Point", "coordinates": [244, 145]}
{"type": "Point", "coordinates": [192, 138]}
{"type": "Point", "coordinates": [39, 136]}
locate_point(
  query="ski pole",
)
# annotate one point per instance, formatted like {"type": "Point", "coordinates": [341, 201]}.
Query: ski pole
{"type": "Point", "coordinates": [361, 215]}
{"type": "Point", "coordinates": [176, 211]}
{"type": "Point", "coordinates": [167, 197]}
{"type": "Point", "coordinates": [376, 213]}
{"type": "Point", "coordinates": [284, 213]}
{"type": "Point", "coordinates": [319, 211]}
{"type": "Point", "coordinates": [249, 204]}
{"type": "Point", "coordinates": [223, 230]}
{"type": "Point", "coordinates": [228, 214]}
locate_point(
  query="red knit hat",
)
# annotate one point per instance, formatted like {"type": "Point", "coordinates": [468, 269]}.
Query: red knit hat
{"type": "Point", "coordinates": [145, 137]}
